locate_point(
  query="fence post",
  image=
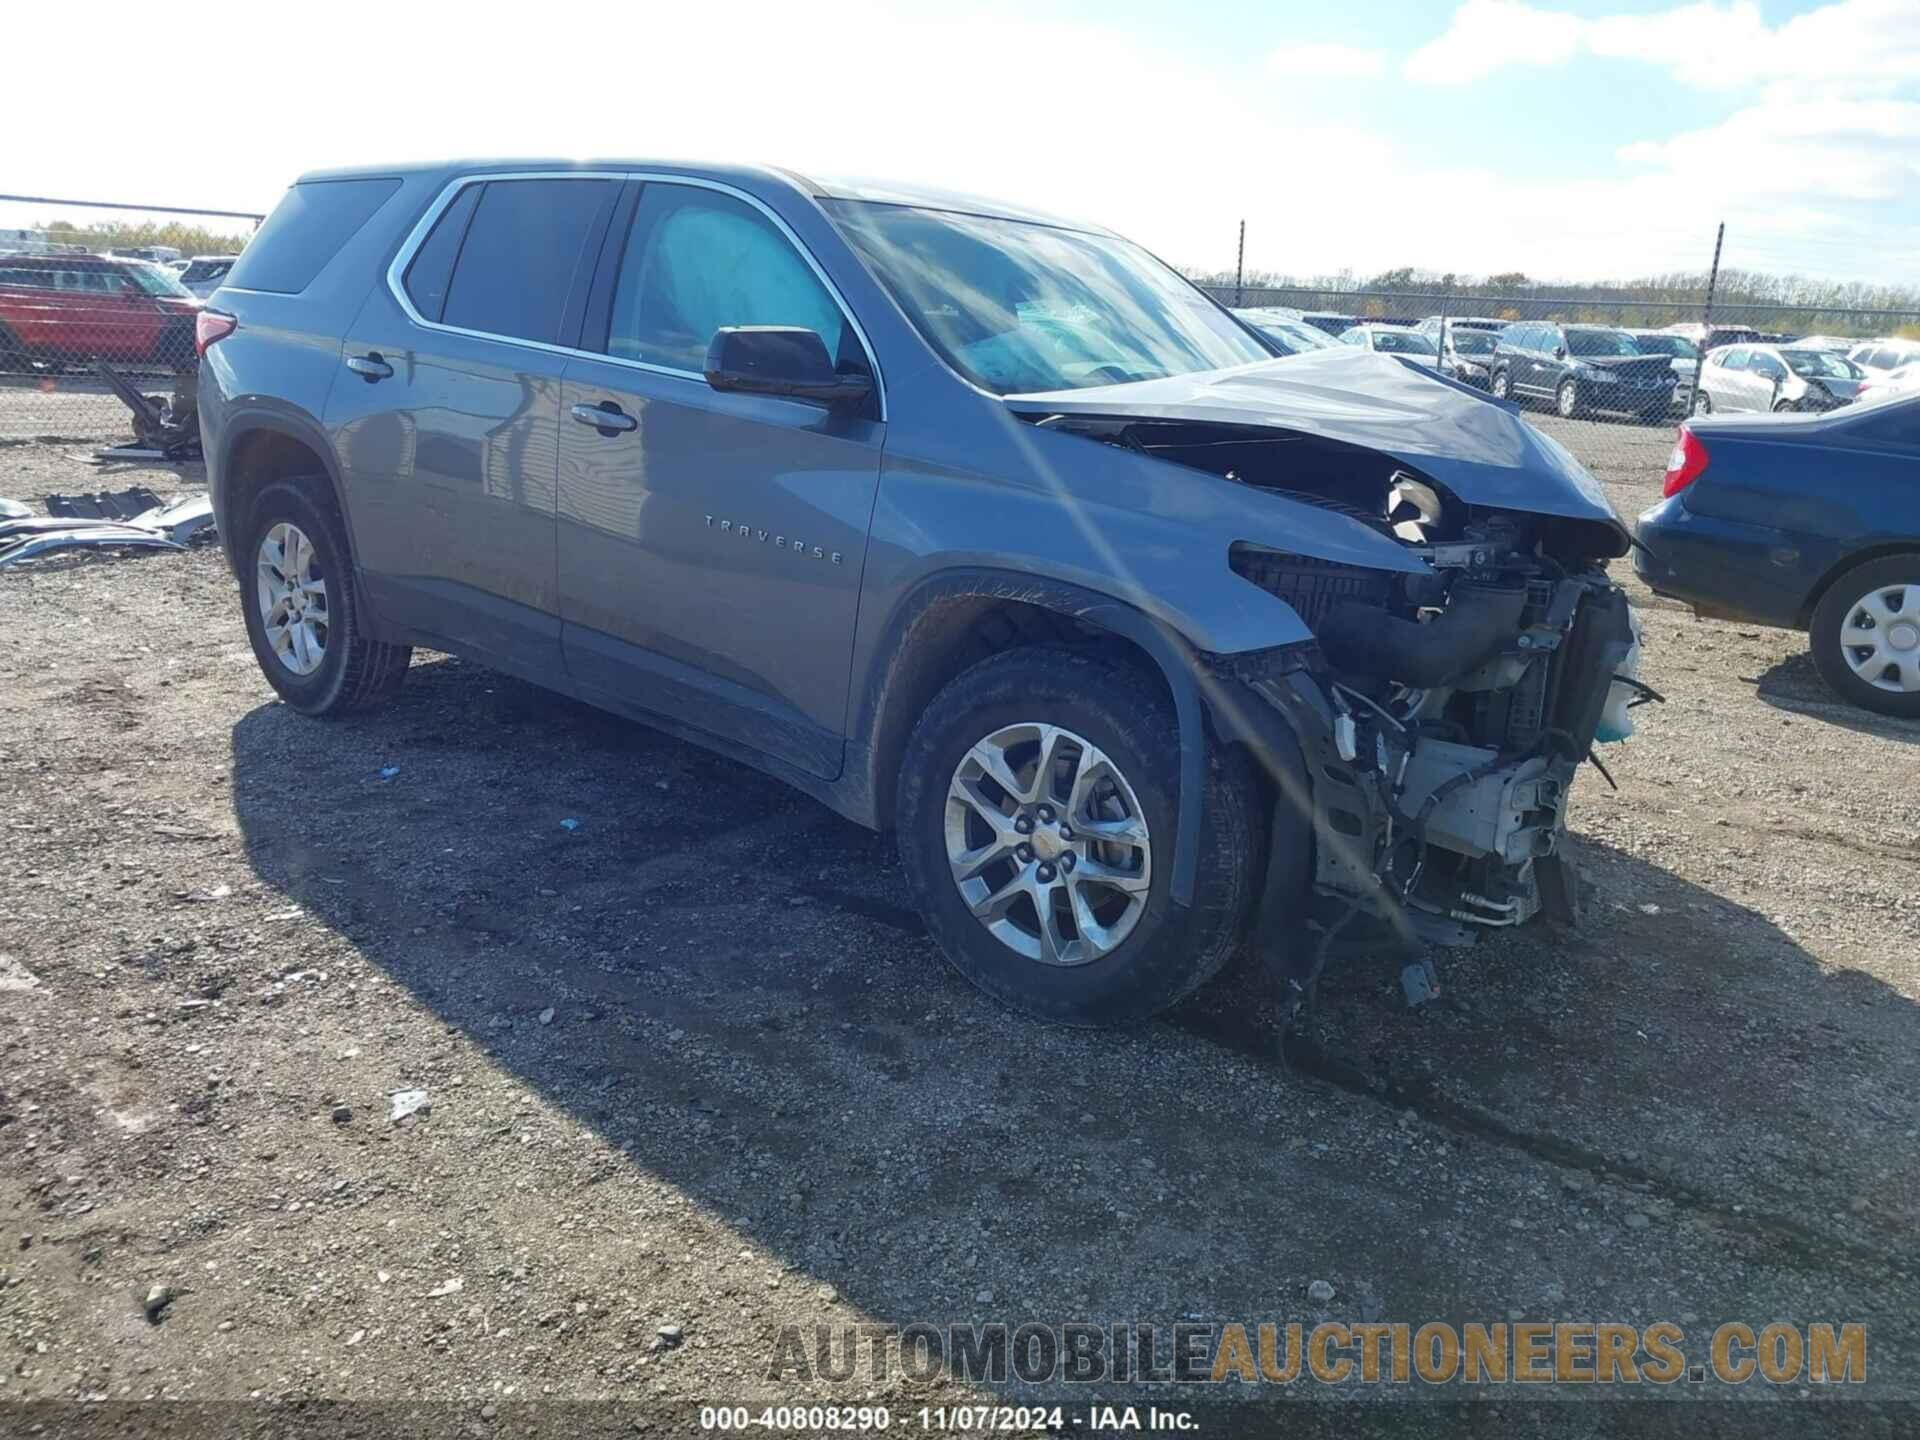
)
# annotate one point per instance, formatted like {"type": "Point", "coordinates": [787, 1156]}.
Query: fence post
{"type": "Point", "coordinates": [1713, 276]}
{"type": "Point", "coordinates": [1240, 270]}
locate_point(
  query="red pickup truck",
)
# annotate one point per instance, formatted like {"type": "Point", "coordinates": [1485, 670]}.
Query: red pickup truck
{"type": "Point", "coordinates": [58, 310]}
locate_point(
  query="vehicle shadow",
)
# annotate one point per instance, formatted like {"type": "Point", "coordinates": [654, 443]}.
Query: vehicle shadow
{"type": "Point", "coordinates": [746, 1008]}
{"type": "Point", "coordinates": [1793, 684]}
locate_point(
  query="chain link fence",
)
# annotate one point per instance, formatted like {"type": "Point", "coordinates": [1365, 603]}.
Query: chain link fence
{"type": "Point", "coordinates": [1609, 376]}
{"type": "Point", "coordinates": [91, 287]}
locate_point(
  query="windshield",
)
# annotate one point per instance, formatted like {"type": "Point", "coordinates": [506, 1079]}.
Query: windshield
{"type": "Point", "coordinates": [1676, 345]}
{"type": "Point", "coordinates": [153, 280]}
{"type": "Point", "coordinates": [1600, 342]}
{"type": "Point", "coordinates": [1471, 342]}
{"type": "Point", "coordinates": [1402, 342]}
{"type": "Point", "coordinates": [1018, 307]}
{"type": "Point", "coordinates": [1821, 364]}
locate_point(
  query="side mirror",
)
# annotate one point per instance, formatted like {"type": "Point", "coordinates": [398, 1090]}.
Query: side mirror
{"type": "Point", "coordinates": [781, 360]}
{"type": "Point", "coordinates": [1559, 352]}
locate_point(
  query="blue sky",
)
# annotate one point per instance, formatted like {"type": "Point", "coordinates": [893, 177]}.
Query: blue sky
{"type": "Point", "coordinates": [1566, 138]}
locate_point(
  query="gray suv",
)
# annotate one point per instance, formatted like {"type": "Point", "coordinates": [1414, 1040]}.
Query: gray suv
{"type": "Point", "coordinates": [970, 523]}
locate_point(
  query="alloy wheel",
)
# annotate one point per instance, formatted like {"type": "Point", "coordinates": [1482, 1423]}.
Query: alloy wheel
{"type": "Point", "coordinates": [1048, 844]}
{"type": "Point", "coordinates": [292, 594]}
{"type": "Point", "coordinates": [1880, 638]}
{"type": "Point", "coordinates": [1569, 400]}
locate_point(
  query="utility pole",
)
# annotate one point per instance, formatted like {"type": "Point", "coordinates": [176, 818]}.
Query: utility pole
{"type": "Point", "coordinates": [1240, 269]}
{"type": "Point", "coordinates": [1713, 275]}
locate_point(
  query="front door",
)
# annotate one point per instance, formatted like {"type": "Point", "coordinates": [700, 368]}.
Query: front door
{"type": "Point", "coordinates": [446, 417]}
{"type": "Point", "coordinates": [710, 545]}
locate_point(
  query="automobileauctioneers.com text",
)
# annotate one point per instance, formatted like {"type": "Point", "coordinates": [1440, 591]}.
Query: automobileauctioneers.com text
{"type": "Point", "coordinates": [1330, 1353]}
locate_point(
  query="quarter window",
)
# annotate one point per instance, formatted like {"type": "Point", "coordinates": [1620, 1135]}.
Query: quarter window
{"type": "Point", "coordinates": [432, 267]}
{"type": "Point", "coordinates": [521, 255]}
{"type": "Point", "coordinates": [698, 260]}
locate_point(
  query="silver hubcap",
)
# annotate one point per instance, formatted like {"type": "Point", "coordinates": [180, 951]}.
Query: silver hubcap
{"type": "Point", "coordinates": [292, 594]}
{"type": "Point", "coordinates": [1880, 638]}
{"type": "Point", "coordinates": [1048, 844]}
{"type": "Point", "coordinates": [1569, 401]}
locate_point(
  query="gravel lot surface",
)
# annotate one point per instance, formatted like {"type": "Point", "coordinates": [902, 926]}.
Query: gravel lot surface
{"type": "Point", "coordinates": [691, 1063]}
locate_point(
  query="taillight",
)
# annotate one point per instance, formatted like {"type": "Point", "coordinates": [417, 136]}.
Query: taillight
{"type": "Point", "coordinates": [209, 326]}
{"type": "Point", "coordinates": [1685, 464]}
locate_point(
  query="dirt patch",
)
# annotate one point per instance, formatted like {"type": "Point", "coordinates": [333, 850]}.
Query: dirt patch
{"type": "Point", "coordinates": [691, 1065]}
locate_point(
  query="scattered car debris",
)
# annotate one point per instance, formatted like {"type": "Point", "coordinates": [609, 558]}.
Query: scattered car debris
{"type": "Point", "coordinates": [169, 424]}
{"type": "Point", "coordinates": [30, 547]}
{"type": "Point", "coordinates": [105, 504]}
{"type": "Point", "coordinates": [409, 1102]}
{"type": "Point", "coordinates": [135, 518]}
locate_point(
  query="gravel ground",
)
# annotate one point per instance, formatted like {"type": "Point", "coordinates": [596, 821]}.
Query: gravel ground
{"type": "Point", "coordinates": [692, 1063]}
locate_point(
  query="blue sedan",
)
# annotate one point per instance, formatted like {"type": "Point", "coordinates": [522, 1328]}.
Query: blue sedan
{"type": "Point", "coordinates": [1806, 523]}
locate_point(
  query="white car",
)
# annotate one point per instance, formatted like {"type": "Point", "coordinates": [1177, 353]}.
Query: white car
{"type": "Point", "coordinates": [1409, 344]}
{"type": "Point", "coordinates": [1886, 384]}
{"type": "Point", "coordinates": [1887, 353]}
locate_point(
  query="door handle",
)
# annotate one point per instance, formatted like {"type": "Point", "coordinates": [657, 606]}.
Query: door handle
{"type": "Point", "coordinates": [606, 417]}
{"type": "Point", "coordinates": [371, 367]}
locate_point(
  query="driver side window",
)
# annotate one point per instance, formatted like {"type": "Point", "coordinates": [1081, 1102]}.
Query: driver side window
{"type": "Point", "coordinates": [698, 260]}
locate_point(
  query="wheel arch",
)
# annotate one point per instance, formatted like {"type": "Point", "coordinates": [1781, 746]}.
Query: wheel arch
{"type": "Point", "coordinates": [1840, 569]}
{"type": "Point", "coordinates": [957, 618]}
{"type": "Point", "coordinates": [260, 448]}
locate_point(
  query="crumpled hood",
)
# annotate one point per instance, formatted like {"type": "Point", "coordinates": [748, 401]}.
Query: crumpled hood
{"type": "Point", "coordinates": [1478, 448]}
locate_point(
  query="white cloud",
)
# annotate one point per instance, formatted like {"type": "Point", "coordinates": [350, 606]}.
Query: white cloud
{"type": "Point", "coordinates": [1712, 44]}
{"type": "Point", "coordinates": [1864, 150]}
{"type": "Point", "coordinates": [1085, 120]}
{"type": "Point", "coordinates": [1327, 61]}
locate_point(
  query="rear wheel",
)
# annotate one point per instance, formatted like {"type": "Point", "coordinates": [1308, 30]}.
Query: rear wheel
{"type": "Point", "coordinates": [1866, 636]}
{"type": "Point", "coordinates": [1038, 802]}
{"type": "Point", "coordinates": [298, 598]}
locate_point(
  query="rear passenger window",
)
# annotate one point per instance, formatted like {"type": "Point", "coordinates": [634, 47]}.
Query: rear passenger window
{"type": "Point", "coordinates": [432, 266]}
{"type": "Point", "coordinates": [306, 230]}
{"type": "Point", "coordinates": [522, 251]}
{"type": "Point", "coordinates": [698, 260]}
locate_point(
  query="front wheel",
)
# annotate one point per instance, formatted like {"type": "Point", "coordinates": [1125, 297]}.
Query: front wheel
{"type": "Point", "coordinates": [300, 606]}
{"type": "Point", "coordinates": [1038, 800]}
{"type": "Point", "coordinates": [1866, 636]}
{"type": "Point", "coordinates": [1567, 400]}
{"type": "Point", "coordinates": [1702, 403]}
{"type": "Point", "coordinates": [1501, 385]}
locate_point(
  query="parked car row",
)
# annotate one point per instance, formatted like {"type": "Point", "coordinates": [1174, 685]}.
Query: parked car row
{"type": "Point", "coordinates": [1645, 374]}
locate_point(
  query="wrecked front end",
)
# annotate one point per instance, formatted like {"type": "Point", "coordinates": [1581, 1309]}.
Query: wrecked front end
{"type": "Point", "coordinates": [1427, 736]}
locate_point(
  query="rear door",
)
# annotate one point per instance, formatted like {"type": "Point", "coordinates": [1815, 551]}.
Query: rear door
{"type": "Point", "coordinates": [446, 417]}
{"type": "Point", "coordinates": [710, 545]}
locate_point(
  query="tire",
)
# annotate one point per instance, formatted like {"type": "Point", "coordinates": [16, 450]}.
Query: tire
{"type": "Point", "coordinates": [348, 670]}
{"type": "Point", "coordinates": [1566, 400]}
{"type": "Point", "coordinates": [1702, 403]}
{"type": "Point", "coordinates": [13, 355]}
{"type": "Point", "coordinates": [1847, 598]}
{"type": "Point", "coordinates": [1166, 951]}
{"type": "Point", "coordinates": [1782, 407]}
{"type": "Point", "coordinates": [1501, 385]}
